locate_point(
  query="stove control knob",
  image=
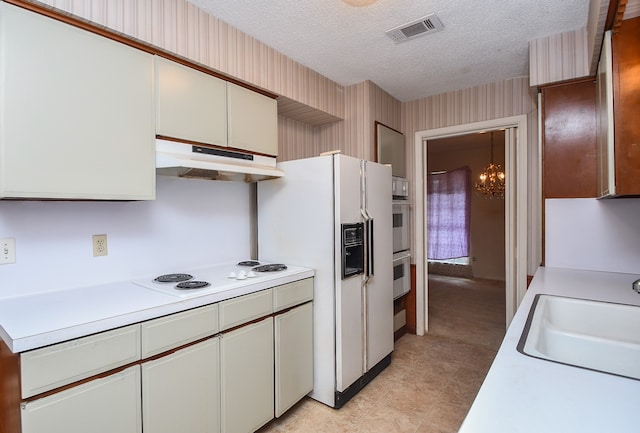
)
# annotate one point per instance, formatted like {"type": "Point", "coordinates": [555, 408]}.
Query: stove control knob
{"type": "Point", "coordinates": [242, 275]}
{"type": "Point", "coordinates": [231, 275]}
{"type": "Point", "coordinates": [251, 274]}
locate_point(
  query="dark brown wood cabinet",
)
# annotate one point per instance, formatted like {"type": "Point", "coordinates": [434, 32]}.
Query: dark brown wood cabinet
{"type": "Point", "coordinates": [626, 106]}
{"type": "Point", "coordinates": [569, 139]}
{"type": "Point", "coordinates": [574, 157]}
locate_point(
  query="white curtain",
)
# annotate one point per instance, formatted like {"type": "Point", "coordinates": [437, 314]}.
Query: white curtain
{"type": "Point", "coordinates": [448, 214]}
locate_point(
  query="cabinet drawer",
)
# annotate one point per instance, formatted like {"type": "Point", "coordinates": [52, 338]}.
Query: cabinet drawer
{"type": "Point", "coordinates": [169, 332]}
{"type": "Point", "coordinates": [242, 309]}
{"type": "Point", "coordinates": [105, 405]}
{"type": "Point", "coordinates": [289, 295]}
{"type": "Point", "coordinates": [53, 366]}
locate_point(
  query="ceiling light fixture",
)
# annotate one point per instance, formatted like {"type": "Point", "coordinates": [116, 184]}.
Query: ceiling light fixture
{"type": "Point", "coordinates": [491, 183]}
{"type": "Point", "coordinates": [359, 3]}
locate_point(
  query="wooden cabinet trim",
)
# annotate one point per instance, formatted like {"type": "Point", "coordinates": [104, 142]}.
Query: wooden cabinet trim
{"type": "Point", "coordinates": [9, 390]}
{"type": "Point", "coordinates": [410, 302]}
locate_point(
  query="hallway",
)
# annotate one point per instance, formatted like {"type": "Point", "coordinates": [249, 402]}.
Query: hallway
{"type": "Point", "coordinates": [432, 380]}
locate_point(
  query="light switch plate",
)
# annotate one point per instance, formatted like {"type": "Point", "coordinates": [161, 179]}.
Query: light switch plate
{"type": "Point", "coordinates": [7, 251]}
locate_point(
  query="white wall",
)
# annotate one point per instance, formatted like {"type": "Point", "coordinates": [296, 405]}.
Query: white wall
{"type": "Point", "coordinates": [191, 223]}
{"type": "Point", "coordinates": [602, 235]}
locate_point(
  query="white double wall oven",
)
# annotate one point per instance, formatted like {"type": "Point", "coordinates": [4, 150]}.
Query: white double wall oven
{"type": "Point", "coordinates": [401, 240]}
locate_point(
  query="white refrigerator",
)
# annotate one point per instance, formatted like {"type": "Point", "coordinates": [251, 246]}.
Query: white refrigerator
{"type": "Point", "coordinates": [301, 219]}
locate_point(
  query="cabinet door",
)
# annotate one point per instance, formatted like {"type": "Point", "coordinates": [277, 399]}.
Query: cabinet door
{"type": "Point", "coordinates": [190, 104]}
{"type": "Point", "coordinates": [107, 405]}
{"type": "Point", "coordinates": [293, 356]}
{"type": "Point", "coordinates": [247, 377]}
{"type": "Point", "coordinates": [180, 391]}
{"type": "Point", "coordinates": [569, 142]}
{"type": "Point", "coordinates": [253, 121]}
{"type": "Point", "coordinates": [77, 112]}
{"type": "Point", "coordinates": [626, 95]}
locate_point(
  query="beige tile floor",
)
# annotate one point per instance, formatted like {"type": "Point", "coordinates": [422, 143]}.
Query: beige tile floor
{"type": "Point", "coordinates": [432, 380]}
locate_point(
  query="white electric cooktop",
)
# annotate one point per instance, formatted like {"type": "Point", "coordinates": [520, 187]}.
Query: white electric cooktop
{"type": "Point", "coordinates": [217, 278]}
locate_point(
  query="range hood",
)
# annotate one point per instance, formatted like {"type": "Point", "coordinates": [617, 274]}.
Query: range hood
{"type": "Point", "coordinates": [187, 160]}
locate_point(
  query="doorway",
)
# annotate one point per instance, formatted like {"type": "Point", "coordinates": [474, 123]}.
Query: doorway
{"type": "Point", "coordinates": [515, 209]}
{"type": "Point", "coordinates": [466, 240]}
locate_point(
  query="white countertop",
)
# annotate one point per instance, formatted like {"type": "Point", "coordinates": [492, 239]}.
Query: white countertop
{"type": "Point", "coordinates": [522, 394]}
{"type": "Point", "coordinates": [29, 322]}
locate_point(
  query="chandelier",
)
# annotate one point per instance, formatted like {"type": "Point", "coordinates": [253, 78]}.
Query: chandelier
{"type": "Point", "coordinates": [491, 183]}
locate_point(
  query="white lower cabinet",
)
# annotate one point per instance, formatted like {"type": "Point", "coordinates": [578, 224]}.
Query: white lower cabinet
{"type": "Point", "coordinates": [183, 375]}
{"type": "Point", "coordinates": [293, 338]}
{"type": "Point", "coordinates": [181, 391]}
{"type": "Point", "coordinates": [247, 397]}
{"type": "Point", "coordinates": [105, 405]}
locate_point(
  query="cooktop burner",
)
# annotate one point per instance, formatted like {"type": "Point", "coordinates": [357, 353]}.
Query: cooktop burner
{"type": "Point", "coordinates": [270, 268]}
{"type": "Point", "coordinates": [232, 277]}
{"type": "Point", "coordinates": [172, 278]}
{"type": "Point", "coordinates": [249, 263]}
{"type": "Point", "coordinates": [188, 285]}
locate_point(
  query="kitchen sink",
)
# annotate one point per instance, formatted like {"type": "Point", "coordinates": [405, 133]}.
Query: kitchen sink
{"type": "Point", "coordinates": [595, 335]}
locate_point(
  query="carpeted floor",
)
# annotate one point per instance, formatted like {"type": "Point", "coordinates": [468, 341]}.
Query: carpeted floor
{"type": "Point", "coordinates": [467, 310]}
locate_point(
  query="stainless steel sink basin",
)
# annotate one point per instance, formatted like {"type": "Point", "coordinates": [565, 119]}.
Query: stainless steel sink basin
{"type": "Point", "coordinates": [599, 336]}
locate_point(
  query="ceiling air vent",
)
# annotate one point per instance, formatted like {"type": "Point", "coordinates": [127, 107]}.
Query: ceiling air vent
{"type": "Point", "coordinates": [429, 24]}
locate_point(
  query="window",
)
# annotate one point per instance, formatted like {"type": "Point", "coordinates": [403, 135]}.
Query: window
{"type": "Point", "coordinates": [448, 214]}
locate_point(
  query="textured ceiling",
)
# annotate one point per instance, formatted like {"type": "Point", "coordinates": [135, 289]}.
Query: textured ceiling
{"type": "Point", "coordinates": [483, 40]}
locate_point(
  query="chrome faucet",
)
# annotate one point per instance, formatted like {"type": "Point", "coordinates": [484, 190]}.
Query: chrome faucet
{"type": "Point", "coordinates": [636, 285]}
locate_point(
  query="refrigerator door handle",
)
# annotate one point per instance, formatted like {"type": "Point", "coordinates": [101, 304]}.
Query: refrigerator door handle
{"type": "Point", "coordinates": [368, 246]}
{"type": "Point", "coordinates": [368, 242]}
{"type": "Point", "coordinates": [370, 252]}
{"type": "Point", "coordinates": [367, 249]}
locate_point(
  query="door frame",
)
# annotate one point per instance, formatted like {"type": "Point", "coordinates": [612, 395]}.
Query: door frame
{"type": "Point", "coordinates": [515, 211]}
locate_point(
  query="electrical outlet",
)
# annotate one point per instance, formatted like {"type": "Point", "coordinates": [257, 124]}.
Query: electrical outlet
{"type": "Point", "coordinates": [99, 245]}
{"type": "Point", "coordinates": [7, 251]}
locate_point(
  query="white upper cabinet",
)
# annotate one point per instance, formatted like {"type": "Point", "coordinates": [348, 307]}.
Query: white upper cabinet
{"type": "Point", "coordinates": [190, 104]}
{"type": "Point", "coordinates": [253, 121]}
{"type": "Point", "coordinates": [196, 107]}
{"type": "Point", "coordinates": [76, 112]}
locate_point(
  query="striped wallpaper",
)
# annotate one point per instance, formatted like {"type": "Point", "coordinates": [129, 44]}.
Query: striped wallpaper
{"type": "Point", "coordinates": [183, 29]}
{"type": "Point", "coordinates": [490, 101]}
{"type": "Point", "coordinates": [572, 54]}
{"type": "Point", "coordinates": [559, 57]}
